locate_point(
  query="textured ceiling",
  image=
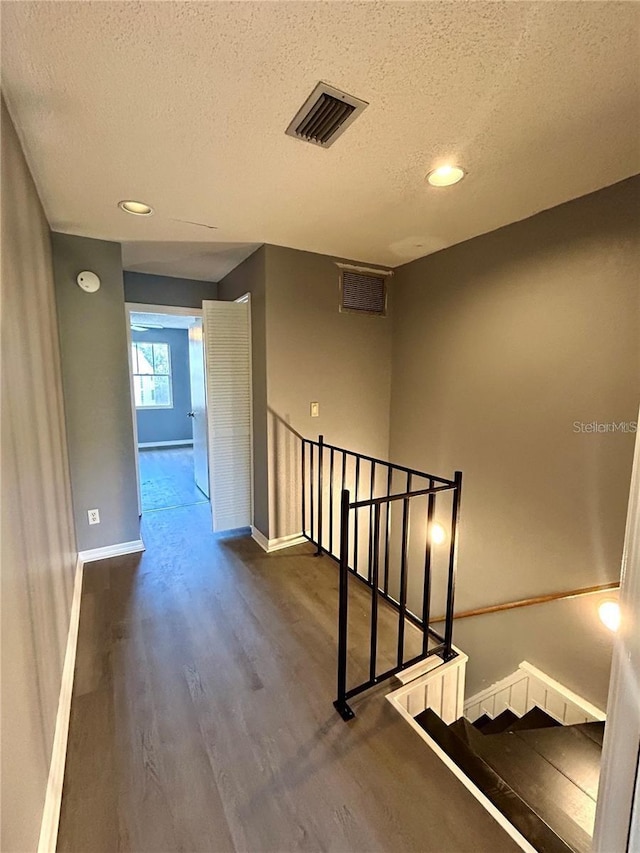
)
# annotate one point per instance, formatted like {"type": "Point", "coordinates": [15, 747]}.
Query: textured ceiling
{"type": "Point", "coordinates": [184, 105]}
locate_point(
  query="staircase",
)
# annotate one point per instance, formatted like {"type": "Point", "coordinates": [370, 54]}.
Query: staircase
{"type": "Point", "coordinates": [542, 776]}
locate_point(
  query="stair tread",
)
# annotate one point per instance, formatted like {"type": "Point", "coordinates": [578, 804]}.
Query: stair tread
{"type": "Point", "coordinates": [531, 825]}
{"type": "Point", "coordinates": [533, 719]}
{"type": "Point", "coordinates": [571, 752]}
{"type": "Point", "coordinates": [498, 724]}
{"type": "Point", "coordinates": [595, 731]}
{"type": "Point", "coordinates": [554, 797]}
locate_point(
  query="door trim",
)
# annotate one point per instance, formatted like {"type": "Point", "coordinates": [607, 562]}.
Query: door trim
{"type": "Point", "coordinates": [142, 307]}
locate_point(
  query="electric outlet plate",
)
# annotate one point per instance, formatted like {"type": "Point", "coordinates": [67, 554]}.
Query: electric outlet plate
{"type": "Point", "coordinates": [93, 516]}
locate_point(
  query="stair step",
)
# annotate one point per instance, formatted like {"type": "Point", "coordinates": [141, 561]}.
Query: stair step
{"type": "Point", "coordinates": [522, 816]}
{"type": "Point", "coordinates": [489, 727]}
{"type": "Point", "coordinates": [571, 752]}
{"type": "Point", "coordinates": [595, 731]}
{"type": "Point", "coordinates": [550, 794]}
{"type": "Point", "coordinates": [533, 719]}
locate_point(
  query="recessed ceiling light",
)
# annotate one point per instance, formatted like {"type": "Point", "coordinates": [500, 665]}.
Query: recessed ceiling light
{"type": "Point", "coordinates": [445, 176]}
{"type": "Point", "coordinates": [138, 208]}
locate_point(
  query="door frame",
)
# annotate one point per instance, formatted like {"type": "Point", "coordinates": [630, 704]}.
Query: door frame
{"type": "Point", "coordinates": [137, 308]}
{"type": "Point", "coordinates": [617, 824]}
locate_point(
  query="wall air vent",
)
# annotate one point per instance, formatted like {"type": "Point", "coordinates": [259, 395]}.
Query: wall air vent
{"type": "Point", "coordinates": [363, 291]}
{"type": "Point", "coordinates": [325, 115]}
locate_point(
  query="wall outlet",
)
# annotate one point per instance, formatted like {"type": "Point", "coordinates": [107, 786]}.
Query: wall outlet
{"type": "Point", "coordinates": [315, 410]}
{"type": "Point", "coordinates": [94, 516]}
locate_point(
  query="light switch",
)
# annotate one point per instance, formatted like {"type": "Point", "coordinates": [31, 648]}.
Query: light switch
{"type": "Point", "coordinates": [315, 410]}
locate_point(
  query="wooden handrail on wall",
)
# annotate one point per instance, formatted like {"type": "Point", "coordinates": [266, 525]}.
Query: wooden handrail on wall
{"type": "Point", "coordinates": [527, 602]}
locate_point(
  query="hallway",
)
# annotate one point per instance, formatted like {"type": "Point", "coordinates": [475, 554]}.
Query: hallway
{"type": "Point", "coordinates": [202, 716]}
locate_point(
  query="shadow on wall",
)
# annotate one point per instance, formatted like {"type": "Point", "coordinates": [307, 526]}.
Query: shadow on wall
{"type": "Point", "coordinates": [285, 476]}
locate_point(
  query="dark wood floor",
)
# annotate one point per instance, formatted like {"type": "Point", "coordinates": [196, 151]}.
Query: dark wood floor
{"type": "Point", "coordinates": [167, 479]}
{"type": "Point", "coordinates": [202, 716]}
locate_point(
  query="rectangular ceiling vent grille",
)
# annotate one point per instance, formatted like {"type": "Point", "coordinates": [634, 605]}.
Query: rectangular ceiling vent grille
{"type": "Point", "coordinates": [363, 292]}
{"type": "Point", "coordinates": [325, 115]}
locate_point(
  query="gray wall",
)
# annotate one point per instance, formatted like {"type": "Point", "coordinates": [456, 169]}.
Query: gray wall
{"type": "Point", "coordinates": [500, 345]}
{"type": "Point", "coordinates": [165, 290]}
{"type": "Point", "coordinates": [565, 639]}
{"type": "Point", "coordinates": [305, 350]}
{"type": "Point", "coordinates": [249, 277]}
{"type": "Point", "coordinates": [169, 424]}
{"type": "Point", "coordinates": [97, 397]}
{"type": "Point", "coordinates": [315, 353]}
{"type": "Point", "coordinates": [38, 550]}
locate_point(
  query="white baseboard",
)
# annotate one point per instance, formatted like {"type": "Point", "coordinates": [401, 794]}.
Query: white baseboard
{"type": "Point", "coordinates": [180, 443]}
{"type": "Point", "coordinates": [53, 799]}
{"type": "Point", "coordinates": [111, 551]}
{"type": "Point", "coordinates": [270, 545]}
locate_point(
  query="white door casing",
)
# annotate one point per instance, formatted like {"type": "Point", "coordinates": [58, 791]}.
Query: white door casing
{"type": "Point", "coordinates": [617, 825]}
{"type": "Point", "coordinates": [198, 407]}
{"type": "Point", "coordinates": [227, 346]}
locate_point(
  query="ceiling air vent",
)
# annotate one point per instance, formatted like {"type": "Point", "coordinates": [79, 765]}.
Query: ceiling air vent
{"type": "Point", "coordinates": [325, 115]}
{"type": "Point", "coordinates": [363, 291]}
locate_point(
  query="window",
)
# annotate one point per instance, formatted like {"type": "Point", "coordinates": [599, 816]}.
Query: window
{"type": "Point", "coordinates": [151, 375]}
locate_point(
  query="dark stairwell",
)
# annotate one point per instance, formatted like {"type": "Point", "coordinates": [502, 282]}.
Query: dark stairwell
{"type": "Point", "coordinates": [541, 775]}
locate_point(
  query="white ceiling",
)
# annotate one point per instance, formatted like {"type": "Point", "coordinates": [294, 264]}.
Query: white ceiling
{"type": "Point", "coordinates": [185, 106]}
{"type": "Point", "coordinates": [199, 261]}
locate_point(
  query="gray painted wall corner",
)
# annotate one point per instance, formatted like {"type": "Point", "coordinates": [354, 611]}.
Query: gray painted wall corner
{"type": "Point", "coordinates": [500, 346]}
{"type": "Point", "coordinates": [95, 375]}
{"type": "Point", "coordinates": [250, 277]}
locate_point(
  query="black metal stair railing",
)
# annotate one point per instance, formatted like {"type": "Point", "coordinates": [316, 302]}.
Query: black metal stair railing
{"type": "Point", "coordinates": [358, 519]}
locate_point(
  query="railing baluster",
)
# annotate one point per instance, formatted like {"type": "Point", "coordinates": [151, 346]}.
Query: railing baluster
{"type": "Point", "coordinates": [343, 610]}
{"type": "Point", "coordinates": [371, 489]}
{"type": "Point", "coordinates": [374, 595]}
{"type": "Point", "coordinates": [426, 589]}
{"type": "Point", "coordinates": [304, 488]}
{"type": "Point", "coordinates": [387, 532]}
{"type": "Point", "coordinates": [344, 475]}
{"type": "Point", "coordinates": [320, 493]}
{"type": "Point", "coordinates": [331, 501]}
{"type": "Point", "coordinates": [355, 517]}
{"type": "Point", "coordinates": [403, 574]}
{"type": "Point", "coordinates": [453, 560]}
{"type": "Point", "coordinates": [311, 490]}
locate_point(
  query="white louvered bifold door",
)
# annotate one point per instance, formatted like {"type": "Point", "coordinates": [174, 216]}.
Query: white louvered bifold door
{"type": "Point", "coordinates": [228, 368]}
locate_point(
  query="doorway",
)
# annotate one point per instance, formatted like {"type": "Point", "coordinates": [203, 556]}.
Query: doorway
{"type": "Point", "coordinates": [169, 406]}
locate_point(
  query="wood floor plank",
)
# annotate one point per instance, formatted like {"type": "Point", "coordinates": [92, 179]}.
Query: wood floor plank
{"type": "Point", "coordinates": [209, 725]}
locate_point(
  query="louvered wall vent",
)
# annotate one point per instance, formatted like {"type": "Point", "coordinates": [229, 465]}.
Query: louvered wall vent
{"type": "Point", "coordinates": [363, 291]}
{"type": "Point", "coordinates": [325, 115]}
